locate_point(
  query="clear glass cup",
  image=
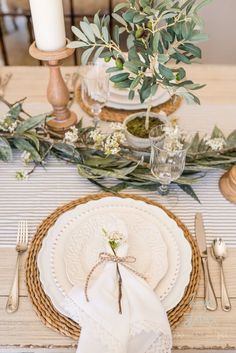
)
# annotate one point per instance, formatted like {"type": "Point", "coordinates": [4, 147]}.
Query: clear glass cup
{"type": "Point", "coordinates": [94, 87]}
{"type": "Point", "coordinates": [167, 164]}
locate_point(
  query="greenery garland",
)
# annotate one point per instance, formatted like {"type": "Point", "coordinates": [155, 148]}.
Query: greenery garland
{"type": "Point", "coordinates": [29, 134]}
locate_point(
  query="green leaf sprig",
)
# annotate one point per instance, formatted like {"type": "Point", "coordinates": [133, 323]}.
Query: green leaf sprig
{"type": "Point", "coordinates": [161, 35]}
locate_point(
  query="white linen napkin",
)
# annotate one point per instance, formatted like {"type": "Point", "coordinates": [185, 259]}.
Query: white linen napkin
{"type": "Point", "coordinates": [142, 327]}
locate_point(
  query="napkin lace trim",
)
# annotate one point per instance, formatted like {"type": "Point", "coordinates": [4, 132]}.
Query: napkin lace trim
{"type": "Point", "coordinates": [162, 344]}
{"type": "Point", "coordinates": [81, 317]}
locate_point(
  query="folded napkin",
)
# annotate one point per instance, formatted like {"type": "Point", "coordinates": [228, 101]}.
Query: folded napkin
{"type": "Point", "coordinates": [142, 327]}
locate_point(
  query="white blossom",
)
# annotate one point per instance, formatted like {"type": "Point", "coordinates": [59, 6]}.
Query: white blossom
{"type": "Point", "coordinates": [114, 238]}
{"type": "Point", "coordinates": [216, 144]}
{"type": "Point", "coordinates": [21, 175]}
{"type": "Point", "coordinates": [116, 126]}
{"type": "Point", "coordinates": [8, 124]}
{"type": "Point", "coordinates": [174, 138]}
{"type": "Point", "coordinates": [111, 145]}
{"type": "Point", "coordinates": [97, 137]}
{"type": "Point", "coordinates": [26, 157]}
{"type": "Point", "coordinates": [71, 136]}
{"type": "Point", "coordinates": [119, 136]}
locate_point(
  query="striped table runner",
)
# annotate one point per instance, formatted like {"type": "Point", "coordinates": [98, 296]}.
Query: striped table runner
{"type": "Point", "coordinates": [60, 183]}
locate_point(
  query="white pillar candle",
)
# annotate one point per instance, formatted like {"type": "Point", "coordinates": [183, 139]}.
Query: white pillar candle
{"type": "Point", "coordinates": [49, 25]}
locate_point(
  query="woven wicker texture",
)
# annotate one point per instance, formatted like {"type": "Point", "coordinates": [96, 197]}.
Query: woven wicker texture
{"type": "Point", "coordinates": [119, 115]}
{"type": "Point", "coordinates": [42, 303]}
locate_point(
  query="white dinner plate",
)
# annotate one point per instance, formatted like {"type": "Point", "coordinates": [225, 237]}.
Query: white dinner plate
{"type": "Point", "coordinates": [170, 289]}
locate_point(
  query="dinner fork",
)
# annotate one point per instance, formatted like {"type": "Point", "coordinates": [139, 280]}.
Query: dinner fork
{"type": "Point", "coordinates": [4, 79]}
{"type": "Point", "coordinates": [21, 247]}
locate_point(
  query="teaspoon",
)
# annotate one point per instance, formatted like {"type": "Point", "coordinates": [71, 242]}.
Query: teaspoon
{"type": "Point", "coordinates": [220, 253]}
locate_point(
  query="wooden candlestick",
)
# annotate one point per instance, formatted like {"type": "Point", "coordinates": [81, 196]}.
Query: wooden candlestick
{"type": "Point", "coordinates": [57, 92]}
{"type": "Point", "coordinates": [228, 185]}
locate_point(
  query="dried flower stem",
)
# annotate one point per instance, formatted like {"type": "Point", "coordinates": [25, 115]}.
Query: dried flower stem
{"type": "Point", "coordinates": [119, 285]}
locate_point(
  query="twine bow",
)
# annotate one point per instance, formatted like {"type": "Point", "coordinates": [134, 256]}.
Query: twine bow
{"type": "Point", "coordinates": [106, 257]}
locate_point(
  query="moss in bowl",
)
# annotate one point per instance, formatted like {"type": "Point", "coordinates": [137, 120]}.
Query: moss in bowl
{"type": "Point", "coordinates": [137, 128]}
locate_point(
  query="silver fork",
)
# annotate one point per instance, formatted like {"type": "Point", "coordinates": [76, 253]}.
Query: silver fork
{"type": "Point", "coordinates": [4, 79]}
{"type": "Point", "coordinates": [21, 247]}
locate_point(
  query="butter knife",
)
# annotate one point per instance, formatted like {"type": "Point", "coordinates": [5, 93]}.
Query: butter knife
{"type": "Point", "coordinates": [209, 294]}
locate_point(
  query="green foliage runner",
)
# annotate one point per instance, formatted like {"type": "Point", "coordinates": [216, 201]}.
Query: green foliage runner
{"type": "Point", "coordinates": [29, 134]}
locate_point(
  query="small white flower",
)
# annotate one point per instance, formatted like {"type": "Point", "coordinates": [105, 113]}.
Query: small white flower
{"type": "Point", "coordinates": [26, 157]}
{"type": "Point", "coordinates": [172, 131]}
{"type": "Point", "coordinates": [114, 238]}
{"type": "Point", "coordinates": [71, 136]}
{"type": "Point", "coordinates": [111, 145]}
{"type": "Point", "coordinates": [97, 137]}
{"type": "Point", "coordinates": [216, 144]}
{"type": "Point", "coordinates": [12, 127]}
{"type": "Point", "coordinates": [8, 124]}
{"type": "Point", "coordinates": [119, 136]}
{"type": "Point", "coordinates": [21, 175]}
{"type": "Point", "coordinates": [116, 126]}
{"type": "Point", "coordinates": [174, 138]}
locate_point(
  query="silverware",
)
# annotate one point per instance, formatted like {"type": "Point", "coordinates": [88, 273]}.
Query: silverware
{"type": "Point", "coordinates": [4, 80]}
{"type": "Point", "coordinates": [209, 294]}
{"type": "Point", "coordinates": [21, 247]}
{"type": "Point", "coordinates": [219, 252]}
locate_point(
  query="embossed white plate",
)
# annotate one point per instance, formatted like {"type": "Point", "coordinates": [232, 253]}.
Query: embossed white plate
{"type": "Point", "coordinates": [170, 289]}
{"type": "Point", "coordinates": [84, 241]}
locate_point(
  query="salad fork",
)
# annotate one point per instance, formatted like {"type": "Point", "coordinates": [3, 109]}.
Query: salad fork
{"type": "Point", "coordinates": [21, 247]}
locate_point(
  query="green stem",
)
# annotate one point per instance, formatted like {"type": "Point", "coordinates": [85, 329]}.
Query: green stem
{"type": "Point", "coordinates": [148, 114]}
{"type": "Point", "coordinates": [119, 285]}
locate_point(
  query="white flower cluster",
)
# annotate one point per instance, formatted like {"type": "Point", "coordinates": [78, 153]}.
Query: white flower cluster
{"type": "Point", "coordinates": [8, 124]}
{"type": "Point", "coordinates": [26, 157]}
{"type": "Point", "coordinates": [108, 144]}
{"type": "Point", "coordinates": [216, 144]}
{"type": "Point", "coordinates": [21, 175]}
{"type": "Point", "coordinates": [71, 136]}
{"type": "Point", "coordinates": [116, 126]}
{"type": "Point", "coordinates": [173, 138]}
{"type": "Point", "coordinates": [97, 137]}
{"type": "Point", "coordinates": [114, 238]}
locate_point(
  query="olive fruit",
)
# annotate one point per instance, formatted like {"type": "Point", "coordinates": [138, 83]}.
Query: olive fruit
{"type": "Point", "coordinates": [139, 33]}
{"type": "Point", "coordinates": [119, 63]}
{"type": "Point", "coordinates": [107, 59]}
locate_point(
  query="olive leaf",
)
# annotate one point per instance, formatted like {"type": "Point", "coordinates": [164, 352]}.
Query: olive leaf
{"type": "Point", "coordinates": [24, 145]}
{"type": "Point", "coordinates": [5, 150]}
{"type": "Point", "coordinates": [31, 123]}
{"type": "Point", "coordinates": [15, 110]}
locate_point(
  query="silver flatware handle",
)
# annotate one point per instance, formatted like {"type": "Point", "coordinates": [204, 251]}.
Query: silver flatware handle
{"type": "Point", "coordinates": [210, 297]}
{"type": "Point", "coordinates": [225, 301]}
{"type": "Point", "coordinates": [13, 298]}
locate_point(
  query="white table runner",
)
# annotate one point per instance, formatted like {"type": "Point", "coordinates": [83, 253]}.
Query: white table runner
{"type": "Point", "coordinates": [47, 189]}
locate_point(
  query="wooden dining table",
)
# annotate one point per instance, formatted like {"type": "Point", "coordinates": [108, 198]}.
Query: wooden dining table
{"type": "Point", "coordinates": [200, 329]}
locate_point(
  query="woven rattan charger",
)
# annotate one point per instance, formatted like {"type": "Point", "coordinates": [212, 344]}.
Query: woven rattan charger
{"type": "Point", "coordinates": [42, 304]}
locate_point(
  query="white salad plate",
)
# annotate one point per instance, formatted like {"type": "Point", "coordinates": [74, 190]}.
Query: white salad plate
{"type": "Point", "coordinates": [82, 240]}
{"type": "Point", "coordinates": [118, 98]}
{"type": "Point", "coordinates": [122, 102]}
{"type": "Point", "coordinates": [54, 262]}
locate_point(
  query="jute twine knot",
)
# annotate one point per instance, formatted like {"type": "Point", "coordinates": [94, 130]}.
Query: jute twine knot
{"type": "Point", "coordinates": [107, 257]}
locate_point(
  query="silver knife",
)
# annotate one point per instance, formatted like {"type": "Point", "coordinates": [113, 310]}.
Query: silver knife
{"type": "Point", "coordinates": [209, 294]}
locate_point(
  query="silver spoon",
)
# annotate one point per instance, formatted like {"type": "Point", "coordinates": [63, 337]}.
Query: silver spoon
{"type": "Point", "coordinates": [220, 253]}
